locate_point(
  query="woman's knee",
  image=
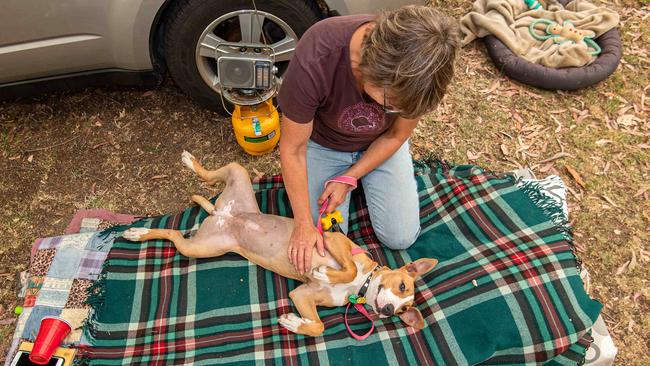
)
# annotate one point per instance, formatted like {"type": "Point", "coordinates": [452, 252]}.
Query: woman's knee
{"type": "Point", "coordinates": [399, 238]}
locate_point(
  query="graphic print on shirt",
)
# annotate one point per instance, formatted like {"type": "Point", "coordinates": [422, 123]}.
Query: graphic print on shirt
{"type": "Point", "coordinates": [361, 118]}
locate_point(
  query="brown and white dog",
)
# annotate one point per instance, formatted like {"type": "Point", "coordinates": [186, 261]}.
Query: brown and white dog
{"type": "Point", "coordinates": [236, 225]}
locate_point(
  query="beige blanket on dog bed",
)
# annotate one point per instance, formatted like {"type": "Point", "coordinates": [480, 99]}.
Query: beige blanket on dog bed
{"type": "Point", "coordinates": [509, 20]}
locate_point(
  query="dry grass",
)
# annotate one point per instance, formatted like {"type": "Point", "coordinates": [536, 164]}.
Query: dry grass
{"type": "Point", "coordinates": [121, 151]}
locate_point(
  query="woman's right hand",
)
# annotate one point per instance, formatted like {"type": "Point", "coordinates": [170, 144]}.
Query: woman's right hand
{"type": "Point", "coordinates": [301, 245]}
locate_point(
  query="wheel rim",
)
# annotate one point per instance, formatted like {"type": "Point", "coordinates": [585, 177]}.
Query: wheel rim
{"type": "Point", "coordinates": [231, 31]}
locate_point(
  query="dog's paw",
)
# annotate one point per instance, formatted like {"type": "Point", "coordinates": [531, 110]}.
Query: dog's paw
{"type": "Point", "coordinates": [292, 322]}
{"type": "Point", "coordinates": [188, 160]}
{"type": "Point", "coordinates": [320, 274]}
{"type": "Point", "coordinates": [135, 233]}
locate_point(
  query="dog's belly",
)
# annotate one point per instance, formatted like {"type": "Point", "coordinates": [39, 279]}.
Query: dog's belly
{"type": "Point", "coordinates": [265, 235]}
{"type": "Point", "coordinates": [264, 240]}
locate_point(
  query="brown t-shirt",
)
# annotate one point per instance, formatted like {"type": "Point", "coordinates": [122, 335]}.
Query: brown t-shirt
{"type": "Point", "coordinates": [319, 85]}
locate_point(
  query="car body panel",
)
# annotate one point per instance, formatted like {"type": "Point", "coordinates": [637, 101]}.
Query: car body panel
{"type": "Point", "coordinates": [43, 38]}
{"type": "Point", "coordinates": [40, 39]}
{"type": "Point", "coordinates": [345, 7]}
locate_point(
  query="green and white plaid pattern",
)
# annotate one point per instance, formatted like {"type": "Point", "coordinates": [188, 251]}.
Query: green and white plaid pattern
{"type": "Point", "coordinates": [506, 290]}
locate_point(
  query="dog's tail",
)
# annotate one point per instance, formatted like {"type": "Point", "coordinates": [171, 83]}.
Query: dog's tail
{"type": "Point", "coordinates": [204, 203]}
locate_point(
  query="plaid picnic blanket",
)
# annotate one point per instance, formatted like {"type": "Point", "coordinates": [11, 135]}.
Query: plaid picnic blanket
{"type": "Point", "coordinates": [506, 289]}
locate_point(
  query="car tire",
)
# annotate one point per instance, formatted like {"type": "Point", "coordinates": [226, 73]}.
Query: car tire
{"type": "Point", "coordinates": [189, 18]}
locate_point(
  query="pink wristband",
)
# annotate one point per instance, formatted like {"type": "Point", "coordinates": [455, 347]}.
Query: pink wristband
{"type": "Point", "coordinates": [345, 179]}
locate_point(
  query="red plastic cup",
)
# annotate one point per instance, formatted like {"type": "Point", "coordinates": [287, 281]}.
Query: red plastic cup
{"type": "Point", "coordinates": [53, 331]}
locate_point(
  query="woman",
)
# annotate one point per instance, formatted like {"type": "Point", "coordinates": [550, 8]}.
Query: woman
{"type": "Point", "coordinates": [352, 95]}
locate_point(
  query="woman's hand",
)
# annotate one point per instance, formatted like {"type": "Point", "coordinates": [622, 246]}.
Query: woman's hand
{"type": "Point", "coordinates": [336, 193]}
{"type": "Point", "coordinates": [301, 245]}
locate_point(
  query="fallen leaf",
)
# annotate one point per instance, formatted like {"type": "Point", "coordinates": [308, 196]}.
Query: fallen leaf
{"type": "Point", "coordinates": [645, 255]}
{"type": "Point", "coordinates": [576, 176]}
{"type": "Point", "coordinates": [582, 115]}
{"type": "Point", "coordinates": [504, 150]}
{"type": "Point", "coordinates": [574, 193]}
{"type": "Point", "coordinates": [603, 142]}
{"type": "Point", "coordinates": [506, 135]}
{"type": "Point", "coordinates": [559, 155]}
{"type": "Point", "coordinates": [627, 120]}
{"type": "Point", "coordinates": [622, 268]}
{"type": "Point", "coordinates": [258, 174]}
{"type": "Point", "coordinates": [558, 123]}
{"type": "Point", "coordinates": [161, 176]}
{"type": "Point", "coordinates": [609, 200]}
{"type": "Point", "coordinates": [517, 117]}
{"type": "Point", "coordinates": [30, 158]}
{"type": "Point", "coordinates": [494, 86]}
{"type": "Point", "coordinates": [633, 261]}
{"type": "Point", "coordinates": [8, 321]}
{"type": "Point", "coordinates": [641, 191]}
{"type": "Point", "coordinates": [100, 144]}
{"type": "Point", "coordinates": [147, 93]}
{"type": "Point", "coordinates": [471, 156]}
{"type": "Point", "coordinates": [630, 325]}
{"type": "Point", "coordinates": [15, 157]}
{"type": "Point", "coordinates": [546, 168]}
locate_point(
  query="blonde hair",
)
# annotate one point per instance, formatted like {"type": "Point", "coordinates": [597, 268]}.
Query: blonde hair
{"type": "Point", "coordinates": [410, 52]}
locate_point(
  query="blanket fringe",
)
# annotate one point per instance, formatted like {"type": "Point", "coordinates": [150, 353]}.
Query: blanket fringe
{"type": "Point", "coordinates": [96, 297]}
{"type": "Point", "coordinates": [107, 236]}
{"type": "Point", "coordinates": [96, 301]}
{"type": "Point", "coordinates": [97, 293]}
{"type": "Point", "coordinates": [551, 208]}
{"type": "Point", "coordinates": [434, 162]}
{"type": "Point", "coordinates": [554, 211]}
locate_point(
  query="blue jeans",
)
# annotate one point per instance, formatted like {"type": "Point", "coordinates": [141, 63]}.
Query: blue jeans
{"type": "Point", "coordinates": [390, 190]}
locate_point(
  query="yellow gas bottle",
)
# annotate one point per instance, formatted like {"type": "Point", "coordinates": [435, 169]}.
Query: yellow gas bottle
{"type": "Point", "coordinates": [257, 127]}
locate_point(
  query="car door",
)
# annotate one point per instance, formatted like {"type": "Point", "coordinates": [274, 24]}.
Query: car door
{"type": "Point", "coordinates": [345, 7]}
{"type": "Point", "coordinates": [42, 38]}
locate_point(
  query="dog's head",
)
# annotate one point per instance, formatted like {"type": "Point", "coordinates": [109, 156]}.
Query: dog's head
{"type": "Point", "coordinates": [394, 291]}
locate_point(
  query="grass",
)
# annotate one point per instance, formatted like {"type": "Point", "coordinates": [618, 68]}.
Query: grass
{"type": "Point", "coordinates": [486, 119]}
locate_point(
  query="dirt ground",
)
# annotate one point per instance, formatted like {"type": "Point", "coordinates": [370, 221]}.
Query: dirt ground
{"type": "Point", "coordinates": [120, 149]}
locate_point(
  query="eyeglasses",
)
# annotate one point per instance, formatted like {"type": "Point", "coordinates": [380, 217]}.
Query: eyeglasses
{"type": "Point", "coordinates": [389, 110]}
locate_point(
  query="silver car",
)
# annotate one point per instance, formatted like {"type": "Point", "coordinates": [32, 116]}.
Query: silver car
{"type": "Point", "coordinates": [235, 50]}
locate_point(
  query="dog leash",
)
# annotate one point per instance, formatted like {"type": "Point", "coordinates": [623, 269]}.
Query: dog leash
{"type": "Point", "coordinates": [345, 179]}
{"type": "Point", "coordinates": [359, 300]}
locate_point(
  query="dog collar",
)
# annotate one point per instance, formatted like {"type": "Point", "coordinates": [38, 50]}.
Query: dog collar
{"type": "Point", "coordinates": [358, 300]}
{"type": "Point", "coordinates": [360, 297]}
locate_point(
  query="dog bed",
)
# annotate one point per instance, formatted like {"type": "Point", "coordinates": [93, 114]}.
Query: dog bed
{"type": "Point", "coordinates": [506, 290]}
{"type": "Point", "coordinates": [567, 78]}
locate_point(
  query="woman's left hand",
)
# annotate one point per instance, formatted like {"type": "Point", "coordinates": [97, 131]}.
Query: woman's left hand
{"type": "Point", "coordinates": [336, 192]}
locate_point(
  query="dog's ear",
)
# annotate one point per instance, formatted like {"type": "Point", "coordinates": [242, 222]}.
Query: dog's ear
{"type": "Point", "coordinates": [413, 318]}
{"type": "Point", "coordinates": [420, 266]}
